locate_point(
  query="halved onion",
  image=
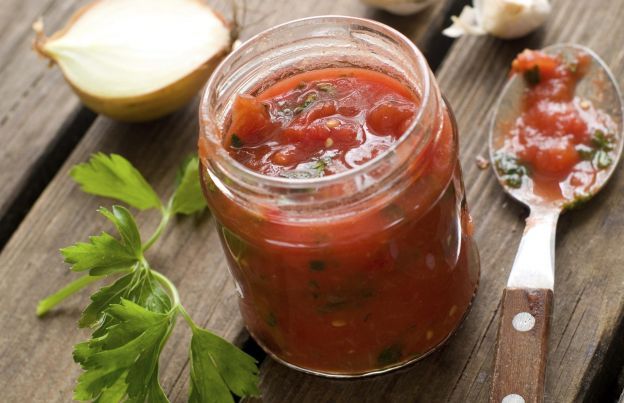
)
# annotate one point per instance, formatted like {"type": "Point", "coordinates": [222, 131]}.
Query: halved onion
{"type": "Point", "coordinates": [136, 60]}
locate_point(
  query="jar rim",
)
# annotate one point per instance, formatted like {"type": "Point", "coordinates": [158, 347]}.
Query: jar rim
{"type": "Point", "coordinates": [207, 114]}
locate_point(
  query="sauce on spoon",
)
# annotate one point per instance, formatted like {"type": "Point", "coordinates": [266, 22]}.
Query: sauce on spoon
{"type": "Point", "coordinates": [560, 146]}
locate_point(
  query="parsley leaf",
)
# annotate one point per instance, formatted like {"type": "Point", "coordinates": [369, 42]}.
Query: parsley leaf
{"type": "Point", "coordinates": [102, 299]}
{"type": "Point", "coordinates": [104, 254]}
{"type": "Point", "coordinates": [188, 197]}
{"type": "Point", "coordinates": [126, 225]}
{"type": "Point", "coordinates": [114, 176]}
{"type": "Point", "coordinates": [139, 287]}
{"type": "Point", "coordinates": [124, 361]}
{"type": "Point", "coordinates": [134, 316]}
{"type": "Point", "coordinates": [217, 367]}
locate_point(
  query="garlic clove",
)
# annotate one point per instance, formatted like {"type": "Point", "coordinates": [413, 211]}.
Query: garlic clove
{"type": "Point", "coordinates": [510, 19]}
{"type": "Point", "coordinates": [399, 7]}
{"type": "Point", "coordinates": [137, 60]}
{"type": "Point", "coordinates": [506, 19]}
{"type": "Point", "coordinates": [467, 23]}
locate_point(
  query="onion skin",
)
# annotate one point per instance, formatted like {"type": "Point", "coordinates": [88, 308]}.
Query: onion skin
{"type": "Point", "coordinates": [144, 107]}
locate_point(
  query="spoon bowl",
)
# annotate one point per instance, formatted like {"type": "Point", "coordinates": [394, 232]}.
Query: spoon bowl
{"type": "Point", "coordinates": [598, 86]}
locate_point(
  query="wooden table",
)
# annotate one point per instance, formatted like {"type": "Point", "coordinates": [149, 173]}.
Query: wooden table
{"type": "Point", "coordinates": [44, 130]}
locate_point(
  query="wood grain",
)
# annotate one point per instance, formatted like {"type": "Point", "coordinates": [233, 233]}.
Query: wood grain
{"type": "Point", "coordinates": [586, 349]}
{"type": "Point", "coordinates": [520, 360]}
{"type": "Point", "coordinates": [36, 363]}
{"type": "Point", "coordinates": [35, 104]}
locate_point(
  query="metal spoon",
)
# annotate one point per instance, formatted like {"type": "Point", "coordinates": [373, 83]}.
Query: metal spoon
{"type": "Point", "coordinates": [520, 361]}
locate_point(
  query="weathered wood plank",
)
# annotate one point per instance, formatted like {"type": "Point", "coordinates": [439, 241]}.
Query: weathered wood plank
{"type": "Point", "coordinates": [585, 347]}
{"type": "Point", "coordinates": [36, 360]}
{"type": "Point", "coordinates": [34, 107]}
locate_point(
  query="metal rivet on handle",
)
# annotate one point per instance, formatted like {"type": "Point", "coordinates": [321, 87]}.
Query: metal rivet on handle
{"type": "Point", "coordinates": [523, 322]}
{"type": "Point", "coordinates": [513, 398]}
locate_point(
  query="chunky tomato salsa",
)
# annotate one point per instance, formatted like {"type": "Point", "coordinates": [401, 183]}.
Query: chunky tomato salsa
{"type": "Point", "coordinates": [559, 144]}
{"type": "Point", "coordinates": [319, 122]}
{"type": "Point", "coordinates": [366, 291]}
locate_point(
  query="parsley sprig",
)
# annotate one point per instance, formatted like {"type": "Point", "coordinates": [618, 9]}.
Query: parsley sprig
{"type": "Point", "coordinates": [133, 317]}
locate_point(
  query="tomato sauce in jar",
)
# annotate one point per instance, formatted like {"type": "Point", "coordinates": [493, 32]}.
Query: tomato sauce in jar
{"type": "Point", "coordinates": [353, 254]}
{"type": "Point", "coordinates": [320, 122]}
{"type": "Point", "coordinates": [560, 144]}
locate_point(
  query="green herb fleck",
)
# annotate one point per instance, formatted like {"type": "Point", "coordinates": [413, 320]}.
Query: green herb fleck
{"type": "Point", "coordinates": [309, 100]}
{"type": "Point", "coordinates": [334, 303]}
{"type": "Point", "coordinates": [578, 201]}
{"type": "Point", "coordinates": [313, 169]}
{"type": "Point", "coordinates": [602, 159]}
{"type": "Point", "coordinates": [235, 141]}
{"type": "Point", "coordinates": [317, 265]}
{"type": "Point", "coordinates": [390, 355]}
{"type": "Point", "coordinates": [602, 140]}
{"type": "Point", "coordinates": [314, 288]}
{"type": "Point", "coordinates": [602, 143]}
{"type": "Point", "coordinates": [510, 169]}
{"type": "Point", "coordinates": [326, 87]}
{"type": "Point", "coordinates": [321, 164]}
{"type": "Point", "coordinates": [532, 75]}
{"type": "Point", "coordinates": [271, 320]}
{"type": "Point", "coordinates": [586, 153]}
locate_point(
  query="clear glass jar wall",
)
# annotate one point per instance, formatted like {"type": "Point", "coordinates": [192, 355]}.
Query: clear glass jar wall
{"type": "Point", "coordinates": [358, 272]}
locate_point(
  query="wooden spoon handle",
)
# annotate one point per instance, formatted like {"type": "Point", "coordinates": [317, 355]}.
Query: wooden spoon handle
{"type": "Point", "coordinates": [520, 360]}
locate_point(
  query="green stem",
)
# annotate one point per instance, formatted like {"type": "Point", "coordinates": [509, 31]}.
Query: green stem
{"type": "Point", "coordinates": [166, 215]}
{"type": "Point", "coordinates": [173, 291]}
{"type": "Point", "coordinates": [171, 288]}
{"type": "Point", "coordinates": [53, 300]}
{"type": "Point", "coordinates": [187, 317]}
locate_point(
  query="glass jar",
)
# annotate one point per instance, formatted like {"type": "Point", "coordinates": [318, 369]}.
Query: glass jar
{"type": "Point", "coordinates": [358, 272]}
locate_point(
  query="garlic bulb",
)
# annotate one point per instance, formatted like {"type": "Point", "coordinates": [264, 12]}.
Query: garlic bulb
{"type": "Point", "coordinates": [399, 7]}
{"type": "Point", "coordinates": [505, 19]}
{"type": "Point", "coordinates": [136, 60]}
